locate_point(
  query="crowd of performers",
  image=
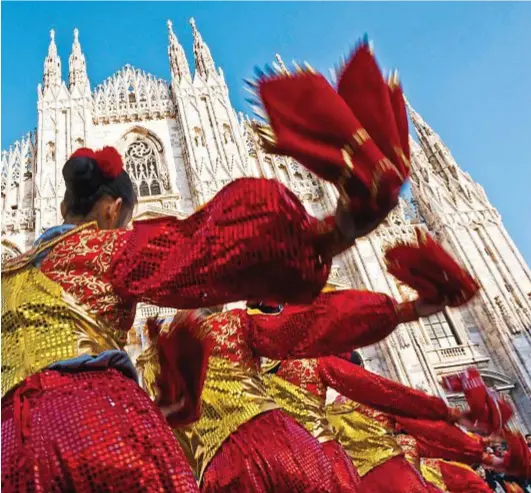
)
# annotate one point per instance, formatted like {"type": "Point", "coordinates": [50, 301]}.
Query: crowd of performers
{"type": "Point", "coordinates": [235, 400]}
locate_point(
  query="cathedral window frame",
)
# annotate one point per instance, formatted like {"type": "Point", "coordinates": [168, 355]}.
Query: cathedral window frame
{"type": "Point", "coordinates": [147, 167]}
{"type": "Point", "coordinates": [441, 331]}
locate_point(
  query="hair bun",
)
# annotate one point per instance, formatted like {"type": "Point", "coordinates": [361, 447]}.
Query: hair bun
{"type": "Point", "coordinates": [83, 176]}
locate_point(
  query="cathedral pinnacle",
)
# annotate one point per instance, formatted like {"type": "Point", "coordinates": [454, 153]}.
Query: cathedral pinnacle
{"type": "Point", "coordinates": [52, 65]}
{"type": "Point", "coordinates": [178, 63]}
{"type": "Point", "coordinates": [204, 63]}
{"type": "Point", "coordinates": [77, 74]}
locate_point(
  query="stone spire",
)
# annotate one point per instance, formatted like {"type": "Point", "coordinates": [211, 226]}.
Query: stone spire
{"type": "Point", "coordinates": [52, 65]}
{"type": "Point", "coordinates": [204, 63]}
{"type": "Point", "coordinates": [178, 63]}
{"type": "Point", "coordinates": [77, 73]}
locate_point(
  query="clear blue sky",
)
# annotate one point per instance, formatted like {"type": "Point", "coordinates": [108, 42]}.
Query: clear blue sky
{"type": "Point", "coordinates": [466, 67]}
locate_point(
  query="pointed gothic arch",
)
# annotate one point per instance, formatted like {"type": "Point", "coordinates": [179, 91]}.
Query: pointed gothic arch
{"type": "Point", "coordinates": [144, 160]}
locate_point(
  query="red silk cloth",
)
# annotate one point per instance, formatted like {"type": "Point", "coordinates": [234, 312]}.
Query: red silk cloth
{"type": "Point", "coordinates": [517, 461]}
{"type": "Point", "coordinates": [254, 239]}
{"type": "Point", "coordinates": [380, 393]}
{"type": "Point", "coordinates": [347, 478]}
{"type": "Point", "coordinates": [439, 439]}
{"type": "Point", "coordinates": [183, 357]}
{"type": "Point", "coordinates": [88, 432]}
{"type": "Point", "coordinates": [459, 479]}
{"type": "Point", "coordinates": [271, 452]}
{"type": "Point", "coordinates": [355, 136]}
{"type": "Point", "coordinates": [487, 409]}
{"type": "Point", "coordinates": [431, 271]}
{"type": "Point", "coordinates": [393, 476]}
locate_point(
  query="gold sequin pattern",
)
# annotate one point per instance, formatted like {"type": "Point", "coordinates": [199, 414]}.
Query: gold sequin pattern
{"type": "Point", "coordinates": [364, 439]}
{"type": "Point", "coordinates": [232, 395]}
{"type": "Point", "coordinates": [431, 472]}
{"type": "Point", "coordinates": [302, 405]}
{"type": "Point", "coordinates": [41, 325]}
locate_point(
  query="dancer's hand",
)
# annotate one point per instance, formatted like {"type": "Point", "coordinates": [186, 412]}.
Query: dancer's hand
{"type": "Point", "coordinates": [425, 309]}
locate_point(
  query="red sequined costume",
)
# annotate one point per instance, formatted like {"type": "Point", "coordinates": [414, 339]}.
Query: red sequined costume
{"type": "Point", "coordinates": [453, 477]}
{"type": "Point", "coordinates": [243, 441]}
{"type": "Point", "coordinates": [431, 441]}
{"type": "Point", "coordinates": [91, 280]}
{"type": "Point", "coordinates": [300, 387]}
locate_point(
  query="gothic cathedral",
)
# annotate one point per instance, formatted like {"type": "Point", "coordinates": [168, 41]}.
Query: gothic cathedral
{"type": "Point", "coordinates": [182, 141]}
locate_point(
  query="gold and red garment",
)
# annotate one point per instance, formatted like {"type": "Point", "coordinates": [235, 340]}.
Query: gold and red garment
{"type": "Point", "coordinates": [88, 432]}
{"type": "Point", "coordinates": [215, 256]}
{"type": "Point", "coordinates": [81, 301]}
{"type": "Point", "coordinates": [234, 391]}
{"type": "Point", "coordinates": [453, 477]}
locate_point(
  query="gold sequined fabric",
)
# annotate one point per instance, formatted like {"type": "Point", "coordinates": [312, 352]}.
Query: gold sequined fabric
{"type": "Point", "coordinates": [303, 406]}
{"type": "Point", "coordinates": [364, 439]}
{"type": "Point", "coordinates": [232, 395]}
{"type": "Point", "coordinates": [431, 472]}
{"type": "Point", "coordinates": [41, 324]}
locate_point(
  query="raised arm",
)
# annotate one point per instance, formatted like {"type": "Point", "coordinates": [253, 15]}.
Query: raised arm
{"type": "Point", "coordinates": [441, 440]}
{"type": "Point", "coordinates": [254, 239]}
{"type": "Point", "coordinates": [380, 393]}
{"type": "Point", "coordinates": [335, 322]}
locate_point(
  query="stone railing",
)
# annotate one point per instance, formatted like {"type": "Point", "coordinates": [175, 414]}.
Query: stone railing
{"type": "Point", "coordinates": [455, 356]}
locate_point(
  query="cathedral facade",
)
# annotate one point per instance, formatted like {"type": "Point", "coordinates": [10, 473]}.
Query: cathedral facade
{"type": "Point", "coordinates": [182, 141]}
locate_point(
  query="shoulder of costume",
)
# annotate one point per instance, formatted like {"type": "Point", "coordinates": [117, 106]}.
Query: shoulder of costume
{"type": "Point", "coordinates": [27, 258]}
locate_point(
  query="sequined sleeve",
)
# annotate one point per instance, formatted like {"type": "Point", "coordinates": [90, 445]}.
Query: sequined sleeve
{"type": "Point", "coordinates": [380, 393]}
{"type": "Point", "coordinates": [253, 239]}
{"type": "Point", "coordinates": [335, 322]}
{"type": "Point", "coordinates": [441, 440]}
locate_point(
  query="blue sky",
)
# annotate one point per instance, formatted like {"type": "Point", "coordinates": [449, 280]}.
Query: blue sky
{"type": "Point", "coordinates": [466, 67]}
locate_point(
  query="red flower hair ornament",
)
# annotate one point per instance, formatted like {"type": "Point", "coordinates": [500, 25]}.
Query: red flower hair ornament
{"type": "Point", "coordinates": [354, 135]}
{"type": "Point", "coordinates": [108, 159]}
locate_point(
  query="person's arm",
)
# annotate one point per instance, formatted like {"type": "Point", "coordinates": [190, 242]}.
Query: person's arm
{"type": "Point", "coordinates": [441, 440]}
{"type": "Point", "coordinates": [380, 393]}
{"type": "Point", "coordinates": [254, 239]}
{"type": "Point", "coordinates": [335, 322]}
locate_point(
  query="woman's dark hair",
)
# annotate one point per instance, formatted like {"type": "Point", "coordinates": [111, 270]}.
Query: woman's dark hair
{"type": "Point", "coordinates": [355, 357]}
{"type": "Point", "coordinates": [86, 184]}
{"type": "Point", "coordinates": [267, 309]}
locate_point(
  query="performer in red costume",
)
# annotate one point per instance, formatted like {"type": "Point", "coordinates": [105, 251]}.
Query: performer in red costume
{"type": "Point", "coordinates": [368, 431]}
{"type": "Point", "coordinates": [68, 303]}
{"type": "Point", "coordinates": [243, 441]}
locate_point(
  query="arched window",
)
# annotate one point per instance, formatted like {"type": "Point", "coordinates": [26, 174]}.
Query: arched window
{"type": "Point", "coordinates": [141, 162]}
{"type": "Point", "coordinates": [441, 331]}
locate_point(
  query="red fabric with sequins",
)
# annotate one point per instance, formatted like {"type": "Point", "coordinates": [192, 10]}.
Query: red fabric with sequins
{"type": "Point", "coordinates": [441, 440]}
{"type": "Point", "coordinates": [461, 480]}
{"type": "Point", "coordinates": [270, 453]}
{"type": "Point", "coordinates": [334, 322]}
{"type": "Point", "coordinates": [383, 394]}
{"type": "Point", "coordinates": [393, 476]}
{"type": "Point", "coordinates": [88, 432]}
{"type": "Point", "coordinates": [254, 239]}
{"type": "Point", "coordinates": [347, 478]}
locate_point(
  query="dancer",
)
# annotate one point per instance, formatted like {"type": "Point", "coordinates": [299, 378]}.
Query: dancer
{"type": "Point", "coordinates": [243, 441]}
{"type": "Point", "coordinates": [369, 435]}
{"type": "Point", "coordinates": [300, 387]}
{"type": "Point", "coordinates": [68, 303]}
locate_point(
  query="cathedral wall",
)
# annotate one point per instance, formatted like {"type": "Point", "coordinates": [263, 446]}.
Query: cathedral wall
{"type": "Point", "coordinates": [167, 133]}
{"type": "Point", "coordinates": [505, 252]}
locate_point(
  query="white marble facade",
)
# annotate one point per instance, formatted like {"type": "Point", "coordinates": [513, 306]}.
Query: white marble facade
{"type": "Point", "coordinates": [182, 141]}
